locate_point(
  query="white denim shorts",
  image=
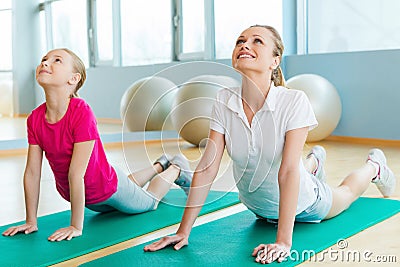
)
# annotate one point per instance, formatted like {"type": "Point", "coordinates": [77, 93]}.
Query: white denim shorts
{"type": "Point", "coordinates": [317, 211]}
{"type": "Point", "coordinates": [129, 197]}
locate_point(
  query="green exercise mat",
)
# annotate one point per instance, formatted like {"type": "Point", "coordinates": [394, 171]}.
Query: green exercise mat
{"type": "Point", "coordinates": [100, 230]}
{"type": "Point", "coordinates": [230, 241]}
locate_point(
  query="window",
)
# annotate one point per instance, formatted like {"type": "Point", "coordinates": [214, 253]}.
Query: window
{"type": "Point", "coordinates": [146, 32]}
{"type": "Point", "coordinates": [232, 17]}
{"type": "Point", "coordinates": [192, 21]}
{"type": "Point", "coordinates": [136, 32]}
{"type": "Point", "coordinates": [6, 78]}
{"type": "Point", "coordinates": [43, 33]}
{"type": "Point", "coordinates": [5, 4]}
{"type": "Point", "coordinates": [6, 36]}
{"type": "Point", "coordinates": [104, 30]}
{"type": "Point", "coordinates": [353, 25]}
{"type": "Point", "coordinates": [69, 27]}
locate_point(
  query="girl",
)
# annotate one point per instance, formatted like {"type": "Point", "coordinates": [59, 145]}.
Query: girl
{"type": "Point", "coordinates": [65, 129]}
{"type": "Point", "coordinates": [264, 126]}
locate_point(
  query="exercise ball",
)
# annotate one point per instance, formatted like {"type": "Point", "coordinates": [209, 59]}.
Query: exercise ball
{"type": "Point", "coordinates": [325, 102]}
{"type": "Point", "coordinates": [146, 104]}
{"type": "Point", "coordinates": [193, 105]}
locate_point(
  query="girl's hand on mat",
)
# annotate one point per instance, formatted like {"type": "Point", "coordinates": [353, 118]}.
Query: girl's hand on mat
{"type": "Point", "coordinates": [271, 252]}
{"type": "Point", "coordinates": [65, 234]}
{"type": "Point", "coordinates": [27, 228]}
{"type": "Point", "coordinates": [178, 241]}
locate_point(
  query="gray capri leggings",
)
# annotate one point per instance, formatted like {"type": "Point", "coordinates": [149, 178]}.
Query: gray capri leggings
{"type": "Point", "coordinates": [129, 198]}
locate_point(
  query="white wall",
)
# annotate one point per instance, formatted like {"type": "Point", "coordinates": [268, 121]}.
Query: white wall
{"type": "Point", "coordinates": [367, 83]}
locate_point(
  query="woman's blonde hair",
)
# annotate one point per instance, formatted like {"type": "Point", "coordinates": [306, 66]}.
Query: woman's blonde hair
{"type": "Point", "coordinates": [277, 74]}
{"type": "Point", "coordinates": [79, 67]}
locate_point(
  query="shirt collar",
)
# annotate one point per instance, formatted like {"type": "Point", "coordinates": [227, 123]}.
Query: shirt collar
{"type": "Point", "coordinates": [235, 101]}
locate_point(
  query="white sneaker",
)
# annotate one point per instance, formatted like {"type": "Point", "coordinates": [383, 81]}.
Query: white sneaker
{"type": "Point", "coordinates": [184, 179]}
{"type": "Point", "coordinates": [385, 180]}
{"type": "Point", "coordinates": [319, 153]}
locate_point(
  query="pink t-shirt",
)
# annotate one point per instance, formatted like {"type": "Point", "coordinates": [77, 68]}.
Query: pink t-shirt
{"type": "Point", "coordinates": [57, 141]}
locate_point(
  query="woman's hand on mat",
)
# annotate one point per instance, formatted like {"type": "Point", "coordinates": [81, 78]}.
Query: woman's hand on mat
{"type": "Point", "coordinates": [267, 253]}
{"type": "Point", "coordinates": [66, 233]}
{"type": "Point", "coordinates": [178, 241]}
{"type": "Point", "coordinates": [26, 228]}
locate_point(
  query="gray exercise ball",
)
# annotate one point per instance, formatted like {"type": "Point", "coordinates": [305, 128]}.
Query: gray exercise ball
{"type": "Point", "coordinates": [146, 104]}
{"type": "Point", "coordinates": [325, 102]}
{"type": "Point", "coordinates": [193, 105]}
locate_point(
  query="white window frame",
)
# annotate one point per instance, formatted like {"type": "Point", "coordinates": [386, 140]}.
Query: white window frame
{"type": "Point", "coordinates": [177, 45]}
{"type": "Point", "coordinates": [302, 27]}
{"type": "Point", "coordinates": [95, 61]}
{"type": "Point", "coordinates": [7, 70]}
{"type": "Point", "coordinates": [46, 7]}
{"type": "Point", "coordinates": [302, 9]}
{"type": "Point", "coordinates": [209, 37]}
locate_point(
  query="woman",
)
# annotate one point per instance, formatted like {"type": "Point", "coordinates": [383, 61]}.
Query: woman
{"type": "Point", "coordinates": [264, 126]}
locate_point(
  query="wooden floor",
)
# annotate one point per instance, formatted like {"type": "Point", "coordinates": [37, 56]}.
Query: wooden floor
{"type": "Point", "coordinates": [381, 239]}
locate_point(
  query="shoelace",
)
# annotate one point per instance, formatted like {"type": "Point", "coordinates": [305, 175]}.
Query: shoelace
{"type": "Point", "coordinates": [378, 175]}
{"type": "Point", "coordinates": [315, 157]}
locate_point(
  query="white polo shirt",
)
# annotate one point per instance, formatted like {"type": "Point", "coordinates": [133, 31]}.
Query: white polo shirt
{"type": "Point", "coordinates": [256, 150]}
